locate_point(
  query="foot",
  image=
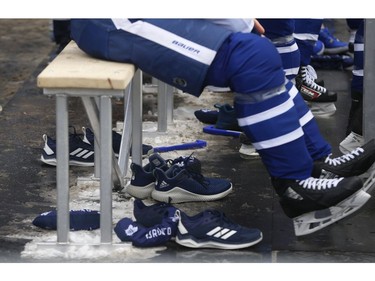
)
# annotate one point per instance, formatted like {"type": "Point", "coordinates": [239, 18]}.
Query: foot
{"type": "Point", "coordinates": [309, 89]}
{"type": "Point", "coordinates": [355, 163]}
{"type": "Point", "coordinates": [316, 203]}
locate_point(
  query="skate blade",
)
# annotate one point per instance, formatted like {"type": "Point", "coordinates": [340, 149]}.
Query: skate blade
{"type": "Point", "coordinates": [369, 179]}
{"type": "Point", "coordinates": [322, 110]}
{"type": "Point", "coordinates": [316, 220]}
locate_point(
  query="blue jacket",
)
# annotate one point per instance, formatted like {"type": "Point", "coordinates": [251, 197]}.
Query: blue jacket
{"type": "Point", "coordinates": [175, 51]}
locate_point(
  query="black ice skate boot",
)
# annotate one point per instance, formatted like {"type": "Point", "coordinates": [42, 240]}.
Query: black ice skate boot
{"type": "Point", "coordinates": [309, 89]}
{"type": "Point", "coordinates": [318, 98]}
{"type": "Point", "coordinates": [316, 203]}
{"type": "Point", "coordinates": [354, 163]}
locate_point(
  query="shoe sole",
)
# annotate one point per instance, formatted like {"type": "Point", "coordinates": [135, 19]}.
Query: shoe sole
{"type": "Point", "coordinates": [53, 162]}
{"type": "Point", "coordinates": [140, 192]}
{"type": "Point", "coordinates": [180, 195]}
{"type": "Point", "coordinates": [190, 243]}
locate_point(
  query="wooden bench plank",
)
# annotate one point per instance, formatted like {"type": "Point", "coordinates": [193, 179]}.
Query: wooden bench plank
{"type": "Point", "coordinates": [73, 68]}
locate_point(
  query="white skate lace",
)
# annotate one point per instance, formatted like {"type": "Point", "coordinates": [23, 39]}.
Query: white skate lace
{"type": "Point", "coordinates": [319, 184]}
{"type": "Point", "coordinates": [344, 158]}
{"type": "Point", "coordinates": [309, 75]}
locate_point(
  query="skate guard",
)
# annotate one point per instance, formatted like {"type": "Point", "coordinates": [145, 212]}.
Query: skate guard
{"type": "Point", "coordinates": [316, 220]}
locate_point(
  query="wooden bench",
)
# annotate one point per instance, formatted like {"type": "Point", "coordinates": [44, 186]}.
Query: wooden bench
{"type": "Point", "coordinates": [75, 74]}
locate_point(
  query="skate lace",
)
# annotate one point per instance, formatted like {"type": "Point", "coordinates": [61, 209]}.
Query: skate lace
{"type": "Point", "coordinates": [344, 158]}
{"type": "Point", "coordinates": [309, 75]}
{"type": "Point", "coordinates": [319, 184]}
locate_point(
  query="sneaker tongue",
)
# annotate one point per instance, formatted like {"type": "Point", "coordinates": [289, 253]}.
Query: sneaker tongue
{"type": "Point", "coordinates": [156, 161]}
{"type": "Point", "coordinates": [175, 170]}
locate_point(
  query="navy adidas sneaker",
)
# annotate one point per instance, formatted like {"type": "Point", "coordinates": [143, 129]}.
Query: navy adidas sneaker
{"type": "Point", "coordinates": [80, 153]}
{"type": "Point", "coordinates": [88, 137]}
{"type": "Point", "coordinates": [190, 162]}
{"type": "Point", "coordinates": [213, 229]}
{"type": "Point", "coordinates": [150, 215]}
{"type": "Point", "coordinates": [177, 185]}
{"type": "Point", "coordinates": [79, 220]}
{"type": "Point", "coordinates": [142, 182]}
{"type": "Point", "coordinates": [128, 230]}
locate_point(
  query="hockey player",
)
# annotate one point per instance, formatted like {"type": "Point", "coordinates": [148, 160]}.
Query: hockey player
{"type": "Point", "coordinates": [192, 53]}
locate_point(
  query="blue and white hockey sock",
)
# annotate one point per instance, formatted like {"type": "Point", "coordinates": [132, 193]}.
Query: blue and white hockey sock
{"type": "Point", "coordinates": [316, 144]}
{"type": "Point", "coordinates": [273, 127]}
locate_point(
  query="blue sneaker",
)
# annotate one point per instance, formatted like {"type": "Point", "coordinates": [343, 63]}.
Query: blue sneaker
{"type": "Point", "coordinates": [318, 49]}
{"type": "Point", "coordinates": [151, 215]}
{"type": "Point", "coordinates": [212, 229]}
{"type": "Point", "coordinates": [191, 163]}
{"type": "Point", "coordinates": [142, 182]}
{"type": "Point", "coordinates": [332, 45]}
{"type": "Point", "coordinates": [80, 153]}
{"type": "Point", "coordinates": [88, 137]}
{"type": "Point", "coordinates": [141, 236]}
{"type": "Point", "coordinates": [227, 118]}
{"type": "Point", "coordinates": [79, 220]}
{"type": "Point", "coordinates": [177, 185]}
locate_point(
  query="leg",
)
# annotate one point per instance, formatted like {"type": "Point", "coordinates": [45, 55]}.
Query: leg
{"type": "Point", "coordinates": [271, 117]}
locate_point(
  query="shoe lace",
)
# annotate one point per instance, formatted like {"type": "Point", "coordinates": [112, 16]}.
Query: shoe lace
{"type": "Point", "coordinates": [219, 217]}
{"type": "Point", "coordinates": [319, 184]}
{"type": "Point", "coordinates": [344, 158]}
{"type": "Point", "coordinates": [199, 178]}
{"type": "Point", "coordinates": [187, 162]}
{"type": "Point", "coordinates": [309, 75]}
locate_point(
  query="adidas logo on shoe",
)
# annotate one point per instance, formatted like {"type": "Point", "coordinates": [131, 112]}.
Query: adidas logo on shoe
{"type": "Point", "coordinates": [163, 184]}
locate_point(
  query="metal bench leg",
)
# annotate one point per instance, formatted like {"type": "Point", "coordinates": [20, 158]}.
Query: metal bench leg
{"type": "Point", "coordinates": [137, 118]}
{"type": "Point", "coordinates": [106, 169]}
{"type": "Point", "coordinates": [123, 159]}
{"type": "Point", "coordinates": [62, 168]}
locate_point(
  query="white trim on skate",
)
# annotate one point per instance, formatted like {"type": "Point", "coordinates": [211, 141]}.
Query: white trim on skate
{"type": "Point", "coordinates": [316, 220]}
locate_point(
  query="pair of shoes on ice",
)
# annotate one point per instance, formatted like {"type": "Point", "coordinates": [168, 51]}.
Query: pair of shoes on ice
{"type": "Point", "coordinates": [81, 148]}
{"type": "Point", "coordinates": [159, 223]}
{"type": "Point", "coordinates": [179, 180]}
{"type": "Point", "coordinates": [334, 190]}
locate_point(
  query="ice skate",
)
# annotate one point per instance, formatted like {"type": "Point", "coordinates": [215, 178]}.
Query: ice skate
{"type": "Point", "coordinates": [316, 203]}
{"type": "Point", "coordinates": [316, 220]}
{"type": "Point", "coordinates": [355, 163]}
{"type": "Point", "coordinates": [318, 98]}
